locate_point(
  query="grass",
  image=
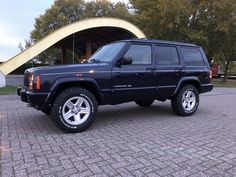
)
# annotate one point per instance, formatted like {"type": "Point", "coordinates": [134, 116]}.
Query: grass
{"type": "Point", "coordinates": [220, 83]}
{"type": "Point", "coordinates": [9, 89]}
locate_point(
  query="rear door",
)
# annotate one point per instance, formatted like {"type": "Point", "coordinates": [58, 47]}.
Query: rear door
{"type": "Point", "coordinates": [169, 70]}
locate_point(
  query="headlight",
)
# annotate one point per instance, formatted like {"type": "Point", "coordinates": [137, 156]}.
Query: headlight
{"type": "Point", "coordinates": [31, 81]}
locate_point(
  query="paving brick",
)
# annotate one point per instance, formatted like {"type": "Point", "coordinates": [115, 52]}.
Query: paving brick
{"type": "Point", "coordinates": [66, 172]}
{"type": "Point", "coordinates": [152, 175]}
{"type": "Point", "coordinates": [109, 170]}
{"type": "Point", "coordinates": [231, 156]}
{"type": "Point", "coordinates": [20, 173]}
{"type": "Point", "coordinates": [80, 166]}
{"type": "Point", "coordinates": [95, 168]}
{"type": "Point", "coordinates": [124, 172]}
{"type": "Point", "coordinates": [149, 169]}
{"type": "Point", "coordinates": [165, 171]}
{"type": "Point", "coordinates": [41, 160]}
{"type": "Point", "coordinates": [125, 140]}
{"type": "Point", "coordinates": [181, 173]}
{"type": "Point", "coordinates": [134, 167]}
{"type": "Point", "coordinates": [54, 162]}
{"type": "Point", "coordinates": [86, 173]}
{"type": "Point", "coordinates": [199, 174]}
{"type": "Point", "coordinates": [93, 160]}
{"type": "Point", "coordinates": [119, 164]}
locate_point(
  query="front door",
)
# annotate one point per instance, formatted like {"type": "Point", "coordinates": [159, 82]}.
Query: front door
{"type": "Point", "coordinates": [134, 81]}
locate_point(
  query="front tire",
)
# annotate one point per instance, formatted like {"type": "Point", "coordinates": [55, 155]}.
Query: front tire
{"type": "Point", "coordinates": [74, 110]}
{"type": "Point", "coordinates": [46, 111]}
{"type": "Point", "coordinates": [186, 102]}
{"type": "Point", "coordinates": [144, 103]}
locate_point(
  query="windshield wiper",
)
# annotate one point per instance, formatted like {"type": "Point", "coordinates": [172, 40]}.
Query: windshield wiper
{"type": "Point", "coordinates": [95, 60]}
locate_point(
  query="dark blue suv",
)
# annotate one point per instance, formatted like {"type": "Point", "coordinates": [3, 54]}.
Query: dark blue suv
{"type": "Point", "coordinates": [138, 70]}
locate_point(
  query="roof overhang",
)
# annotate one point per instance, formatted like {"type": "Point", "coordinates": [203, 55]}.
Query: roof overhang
{"type": "Point", "coordinates": [62, 33]}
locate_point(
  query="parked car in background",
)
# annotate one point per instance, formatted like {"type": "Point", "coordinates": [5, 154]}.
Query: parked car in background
{"type": "Point", "coordinates": [218, 73]}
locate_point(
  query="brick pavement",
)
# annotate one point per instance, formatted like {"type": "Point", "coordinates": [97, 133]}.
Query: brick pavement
{"type": "Point", "coordinates": [125, 140]}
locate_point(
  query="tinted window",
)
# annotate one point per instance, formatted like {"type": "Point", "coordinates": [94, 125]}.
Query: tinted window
{"type": "Point", "coordinates": [108, 52]}
{"type": "Point", "coordinates": [192, 56]}
{"type": "Point", "coordinates": [167, 55]}
{"type": "Point", "coordinates": [140, 54]}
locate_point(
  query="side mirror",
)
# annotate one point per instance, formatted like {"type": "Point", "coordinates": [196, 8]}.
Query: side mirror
{"type": "Point", "coordinates": [125, 61]}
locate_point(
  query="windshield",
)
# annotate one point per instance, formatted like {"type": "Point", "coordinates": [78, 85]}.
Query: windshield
{"type": "Point", "coordinates": [106, 53]}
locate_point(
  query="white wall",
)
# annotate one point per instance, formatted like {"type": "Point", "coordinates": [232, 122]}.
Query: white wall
{"type": "Point", "coordinates": [2, 80]}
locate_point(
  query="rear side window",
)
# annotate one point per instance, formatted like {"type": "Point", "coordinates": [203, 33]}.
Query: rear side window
{"type": "Point", "coordinates": [192, 56]}
{"type": "Point", "coordinates": [167, 55]}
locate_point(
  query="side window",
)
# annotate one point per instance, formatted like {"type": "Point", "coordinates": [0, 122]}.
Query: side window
{"type": "Point", "coordinates": [140, 54]}
{"type": "Point", "coordinates": [167, 55]}
{"type": "Point", "coordinates": [192, 56]}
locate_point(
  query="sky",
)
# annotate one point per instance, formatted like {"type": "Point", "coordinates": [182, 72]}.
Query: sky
{"type": "Point", "coordinates": [16, 21]}
{"type": "Point", "coordinates": [17, 18]}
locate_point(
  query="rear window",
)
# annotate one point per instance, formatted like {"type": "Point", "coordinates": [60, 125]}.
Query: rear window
{"type": "Point", "coordinates": [192, 56]}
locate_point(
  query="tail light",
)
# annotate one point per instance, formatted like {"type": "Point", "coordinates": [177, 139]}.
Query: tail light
{"type": "Point", "coordinates": [31, 81]}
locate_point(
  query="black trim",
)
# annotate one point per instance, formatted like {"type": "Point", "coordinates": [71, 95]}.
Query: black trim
{"type": "Point", "coordinates": [34, 99]}
{"type": "Point", "coordinates": [168, 86]}
{"type": "Point", "coordinates": [182, 80]}
{"type": "Point", "coordinates": [134, 88]}
{"type": "Point", "coordinates": [206, 88]}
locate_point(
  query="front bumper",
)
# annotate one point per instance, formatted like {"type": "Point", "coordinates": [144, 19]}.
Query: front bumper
{"type": "Point", "coordinates": [37, 100]}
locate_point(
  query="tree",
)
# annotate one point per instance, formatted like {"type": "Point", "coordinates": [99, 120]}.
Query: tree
{"type": "Point", "coordinates": [227, 35]}
{"type": "Point", "coordinates": [208, 23]}
{"type": "Point", "coordinates": [164, 19]}
{"type": "Point", "coordinates": [27, 44]}
{"type": "Point", "coordinates": [215, 23]}
{"type": "Point", "coordinates": [64, 12]}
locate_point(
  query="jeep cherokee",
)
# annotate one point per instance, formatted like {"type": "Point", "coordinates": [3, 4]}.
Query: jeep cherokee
{"type": "Point", "coordinates": [138, 70]}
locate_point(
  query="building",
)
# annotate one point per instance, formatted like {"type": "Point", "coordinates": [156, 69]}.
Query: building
{"type": "Point", "coordinates": [75, 42]}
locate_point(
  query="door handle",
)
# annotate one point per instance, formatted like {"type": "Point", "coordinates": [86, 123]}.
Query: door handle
{"type": "Point", "coordinates": [150, 69]}
{"type": "Point", "coordinates": [180, 69]}
{"type": "Point", "coordinates": [116, 72]}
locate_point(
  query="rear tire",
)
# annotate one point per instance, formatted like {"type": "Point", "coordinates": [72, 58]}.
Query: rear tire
{"type": "Point", "coordinates": [144, 103]}
{"type": "Point", "coordinates": [74, 110]}
{"type": "Point", "coordinates": [186, 102]}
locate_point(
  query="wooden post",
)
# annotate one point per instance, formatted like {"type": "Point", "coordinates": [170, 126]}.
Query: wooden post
{"type": "Point", "coordinates": [63, 54]}
{"type": "Point", "coordinates": [88, 48]}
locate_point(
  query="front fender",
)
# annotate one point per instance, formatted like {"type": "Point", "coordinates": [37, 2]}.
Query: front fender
{"type": "Point", "coordinates": [72, 80]}
{"type": "Point", "coordinates": [60, 81]}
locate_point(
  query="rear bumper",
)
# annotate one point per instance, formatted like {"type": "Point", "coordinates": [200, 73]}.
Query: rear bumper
{"type": "Point", "coordinates": [206, 88]}
{"type": "Point", "coordinates": [34, 99]}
